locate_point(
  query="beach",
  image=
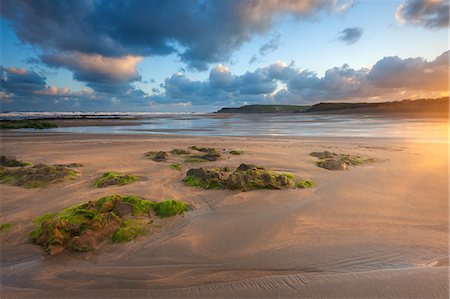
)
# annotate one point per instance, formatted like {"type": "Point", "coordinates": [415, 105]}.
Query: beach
{"type": "Point", "coordinates": [376, 230]}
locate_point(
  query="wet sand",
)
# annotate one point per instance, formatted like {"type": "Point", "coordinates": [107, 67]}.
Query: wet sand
{"type": "Point", "coordinates": [379, 230]}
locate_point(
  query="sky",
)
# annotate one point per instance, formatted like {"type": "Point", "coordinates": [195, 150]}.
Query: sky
{"type": "Point", "coordinates": [201, 55]}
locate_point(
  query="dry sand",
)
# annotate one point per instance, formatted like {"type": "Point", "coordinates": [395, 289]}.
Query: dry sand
{"type": "Point", "coordinates": [379, 230]}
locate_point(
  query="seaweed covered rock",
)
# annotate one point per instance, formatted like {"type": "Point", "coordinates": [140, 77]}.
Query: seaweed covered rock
{"type": "Point", "coordinates": [26, 124]}
{"type": "Point", "coordinates": [333, 161]}
{"type": "Point", "coordinates": [236, 152]}
{"type": "Point", "coordinates": [178, 151]}
{"type": "Point", "coordinates": [244, 178]}
{"type": "Point", "coordinates": [11, 162]}
{"type": "Point", "coordinates": [323, 155]}
{"type": "Point", "coordinates": [114, 178]}
{"type": "Point", "coordinates": [84, 227]}
{"type": "Point", "coordinates": [40, 175]}
{"type": "Point", "coordinates": [332, 164]}
{"type": "Point", "coordinates": [158, 156]}
{"type": "Point", "coordinates": [210, 155]}
{"type": "Point", "coordinates": [249, 177]}
{"type": "Point", "coordinates": [207, 178]}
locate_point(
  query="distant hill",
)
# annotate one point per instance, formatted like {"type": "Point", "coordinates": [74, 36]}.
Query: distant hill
{"type": "Point", "coordinates": [432, 107]}
{"type": "Point", "coordinates": [265, 109]}
{"type": "Point", "coordinates": [422, 107]}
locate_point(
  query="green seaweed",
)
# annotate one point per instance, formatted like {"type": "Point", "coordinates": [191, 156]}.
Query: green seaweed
{"type": "Point", "coordinates": [11, 162]}
{"type": "Point", "coordinates": [211, 184]}
{"type": "Point", "coordinates": [244, 178]}
{"type": "Point", "coordinates": [175, 166]}
{"type": "Point", "coordinates": [83, 227]}
{"type": "Point", "coordinates": [236, 152]}
{"type": "Point", "coordinates": [38, 176]}
{"type": "Point", "coordinates": [169, 208]}
{"type": "Point", "coordinates": [194, 160]}
{"type": "Point", "coordinates": [26, 124]}
{"type": "Point", "coordinates": [306, 184]}
{"type": "Point", "coordinates": [114, 178]}
{"type": "Point", "coordinates": [129, 230]}
{"type": "Point", "coordinates": [5, 227]}
{"type": "Point", "coordinates": [178, 151]}
{"type": "Point", "coordinates": [334, 161]}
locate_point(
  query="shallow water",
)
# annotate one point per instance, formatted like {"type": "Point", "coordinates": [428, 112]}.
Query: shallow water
{"type": "Point", "coordinates": [418, 129]}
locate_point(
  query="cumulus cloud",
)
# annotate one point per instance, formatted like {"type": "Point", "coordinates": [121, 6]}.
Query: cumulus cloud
{"type": "Point", "coordinates": [200, 32]}
{"type": "Point", "coordinates": [350, 35]}
{"type": "Point", "coordinates": [390, 78]}
{"type": "Point", "coordinates": [427, 13]}
{"type": "Point", "coordinates": [22, 89]}
{"type": "Point", "coordinates": [96, 67]}
{"type": "Point", "coordinates": [105, 74]}
{"type": "Point", "coordinates": [20, 81]}
{"type": "Point", "coordinates": [411, 73]}
{"type": "Point", "coordinates": [284, 83]}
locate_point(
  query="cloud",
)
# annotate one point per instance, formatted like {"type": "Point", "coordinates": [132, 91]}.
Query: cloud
{"type": "Point", "coordinates": [200, 32]}
{"type": "Point", "coordinates": [391, 78]}
{"type": "Point", "coordinates": [270, 46]}
{"type": "Point", "coordinates": [350, 35]}
{"type": "Point", "coordinates": [20, 81]}
{"type": "Point", "coordinates": [411, 73]}
{"type": "Point", "coordinates": [23, 89]}
{"type": "Point", "coordinates": [427, 13]}
{"type": "Point", "coordinates": [284, 83]}
{"type": "Point", "coordinates": [100, 73]}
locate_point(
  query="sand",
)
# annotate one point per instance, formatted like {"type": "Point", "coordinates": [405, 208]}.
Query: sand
{"type": "Point", "coordinates": [378, 230]}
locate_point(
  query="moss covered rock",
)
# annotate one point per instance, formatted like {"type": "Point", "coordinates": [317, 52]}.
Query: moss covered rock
{"type": "Point", "coordinates": [157, 156]}
{"type": "Point", "coordinates": [244, 178]}
{"type": "Point", "coordinates": [40, 175]}
{"type": "Point", "coordinates": [84, 227]}
{"type": "Point", "coordinates": [178, 151]}
{"type": "Point", "coordinates": [209, 155]}
{"type": "Point", "coordinates": [236, 152]}
{"type": "Point", "coordinates": [114, 179]}
{"type": "Point", "coordinates": [333, 161]}
{"type": "Point", "coordinates": [11, 162]}
{"type": "Point", "coordinates": [23, 124]}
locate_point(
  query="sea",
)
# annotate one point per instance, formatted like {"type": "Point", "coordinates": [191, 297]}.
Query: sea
{"type": "Point", "coordinates": [265, 125]}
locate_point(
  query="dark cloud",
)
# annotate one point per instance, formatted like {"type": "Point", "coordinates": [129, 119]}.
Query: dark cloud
{"type": "Point", "coordinates": [427, 13]}
{"type": "Point", "coordinates": [270, 46]}
{"type": "Point", "coordinates": [253, 59]}
{"type": "Point", "coordinates": [350, 35]}
{"type": "Point", "coordinates": [200, 32]}
{"type": "Point", "coordinates": [27, 90]}
{"type": "Point", "coordinates": [20, 81]}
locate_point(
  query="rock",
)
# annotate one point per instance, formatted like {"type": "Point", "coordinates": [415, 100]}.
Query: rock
{"type": "Point", "coordinates": [158, 156]}
{"type": "Point", "coordinates": [333, 164]}
{"type": "Point", "coordinates": [96, 234]}
{"type": "Point", "coordinates": [10, 162]}
{"type": "Point", "coordinates": [178, 151]}
{"type": "Point", "coordinates": [245, 177]}
{"type": "Point", "coordinates": [208, 176]}
{"type": "Point", "coordinates": [257, 178]}
{"type": "Point", "coordinates": [39, 175]}
{"type": "Point", "coordinates": [210, 155]}
{"type": "Point", "coordinates": [244, 167]}
{"type": "Point", "coordinates": [323, 155]}
{"type": "Point", "coordinates": [334, 161]}
{"type": "Point", "coordinates": [84, 227]}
